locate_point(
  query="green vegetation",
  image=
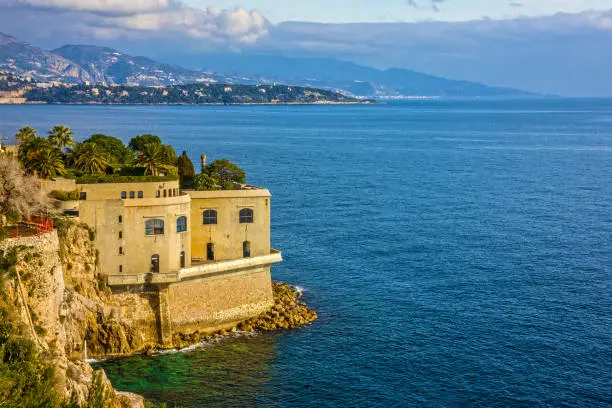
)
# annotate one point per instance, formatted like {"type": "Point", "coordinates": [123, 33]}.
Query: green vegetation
{"type": "Point", "coordinates": [105, 159]}
{"type": "Point", "coordinates": [93, 179]}
{"type": "Point", "coordinates": [61, 195]}
{"type": "Point", "coordinates": [25, 379]}
{"type": "Point", "coordinates": [61, 137]}
{"type": "Point", "coordinates": [186, 170]}
{"type": "Point", "coordinates": [40, 157]}
{"type": "Point", "coordinates": [89, 158]}
{"type": "Point", "coordinates": [220, 175]}
{"type": "Point", "coordinates": [192, 94]}
{"type": "Point", "coordinates": [117, 152]}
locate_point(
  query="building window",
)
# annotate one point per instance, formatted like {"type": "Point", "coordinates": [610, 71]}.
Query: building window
{"type": "Point", "coordinates": [132, 194]}
{"type": "Point", "coordinates": [246, 249]}
{"type": "Point", "coordinates": [154, 227]}
{"type": "Point", "coordinates": [120, 250]}
{"type": "Point", "coordinates": [155, 263]}
{"type": "Point", "coordinates": [210, 217]}
{"type": "Point", "coordinates": [176, 192]}
{"type": "Point", "coordinates": [140, 194]}
{"type": "Point", "coordinates": [120, 219]}
{"type": "Point", "coordinates": [181, 224]}
{"type": "Point", "coordinates": [157, 194]}
{"type": "Point", "coordinates": [246, 216]}
{"type": "Point", "coordinates": [83, 196]}
{"type": "Point", "coordinates": [182, 259]}
{"type": "Point", "coordinates": [123, 195]}
{"type": "Point", "coordinates": [165, 193]}
{"type": "Point", "coordinates": [120, 268]}
{"type": "Point", "coordinates": [210, 252]}
{"type": "Point", "coordinates": [120, 234]}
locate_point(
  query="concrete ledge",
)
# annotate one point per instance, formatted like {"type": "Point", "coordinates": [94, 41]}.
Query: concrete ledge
{"type": "Point", "coordinates": [201, 271]}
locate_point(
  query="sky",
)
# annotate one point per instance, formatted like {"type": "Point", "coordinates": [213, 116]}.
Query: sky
{"type": "Point", "coordinates": [547, 46]}
{"type": "Point", "coordinates": [342, 11]}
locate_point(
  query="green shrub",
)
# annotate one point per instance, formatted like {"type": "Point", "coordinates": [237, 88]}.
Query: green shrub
{"type": "Point", "coordinates": [64, 195]}
{"type": "Point", "coordinates": [93, 179]}
{"type": "Point", "coordinates": [3, 234]}
{"type": "Point", "coordinates": [18, 350]}
{"type": "Point", "coordinates": [137, 171]}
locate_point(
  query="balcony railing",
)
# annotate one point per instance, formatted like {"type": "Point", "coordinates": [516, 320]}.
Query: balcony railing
{"type": "Point", "coordinates": [199, 271]}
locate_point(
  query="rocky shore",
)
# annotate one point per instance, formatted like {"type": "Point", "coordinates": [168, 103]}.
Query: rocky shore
{"type": "Point", "coordinates": [288, 312]}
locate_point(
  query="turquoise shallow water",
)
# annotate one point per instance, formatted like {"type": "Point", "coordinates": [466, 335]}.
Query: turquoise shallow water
{"type": "Point", "coordinates": [458, 253]}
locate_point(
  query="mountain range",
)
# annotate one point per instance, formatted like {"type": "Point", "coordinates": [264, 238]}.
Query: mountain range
{"type": "Point", "coordinates": [103, 65]}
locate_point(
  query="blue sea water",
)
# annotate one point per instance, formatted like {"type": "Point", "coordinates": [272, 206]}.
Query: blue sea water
{"type": "Point", "coordinates": [458, 252]}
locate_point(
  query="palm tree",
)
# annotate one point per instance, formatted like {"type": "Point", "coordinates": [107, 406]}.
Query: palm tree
{"type": "Point", "coordinates": [61, 136]}
{"type": "Point", "coordinates": [38, 156]}
{"type": "Point", "coordinates": [49, 163]}
{"type": "Point", "coordinates": [90, 158]}
{"type": "Point", "coordinates": [152, 157]}
{"type": "Point", "coordinates": [24, 134]}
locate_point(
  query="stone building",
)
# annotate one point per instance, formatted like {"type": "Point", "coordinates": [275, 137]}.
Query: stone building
{"type": "Point", "coordinates": [179, 260]}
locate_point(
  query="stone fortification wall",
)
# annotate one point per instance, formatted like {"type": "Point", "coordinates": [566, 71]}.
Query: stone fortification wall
{"type": "Point", "coordinates": [205, 304]}
{"type": "Point", "coordinates": [210, 303]}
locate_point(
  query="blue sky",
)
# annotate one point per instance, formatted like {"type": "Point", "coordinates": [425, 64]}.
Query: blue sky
{"type": "Point", "coordinates": [399, 10]}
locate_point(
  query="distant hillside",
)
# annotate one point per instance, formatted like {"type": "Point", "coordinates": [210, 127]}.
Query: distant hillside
{"type": "Point", "coordinates": [348, 76]}
{"type": "Point", "coordinates": [109, 66]}
{"type": "Point", "coordinates": [24, 59]}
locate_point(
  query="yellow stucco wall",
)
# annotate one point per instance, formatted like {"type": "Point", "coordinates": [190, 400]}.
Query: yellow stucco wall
{"type": "Point", "coordinates": [228, 235]}
{"type": "Point", "coordinates": [112, 191]}
{"type": "Point", "coordinates": [102, 210]}
{"type": "Point", "coordinates": [125, 249]}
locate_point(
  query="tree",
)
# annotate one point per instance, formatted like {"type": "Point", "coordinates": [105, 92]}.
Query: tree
{"type": "Point", "coordinates": [117, 151]}
{"type": "Point", "coordinates": [24, 134]}
{"type": "Point", "coordinates": [204, 182]}
{"type": "Point", "coordinates": [90, 158]}
{"type": "Point", "coordinates": [186, 170]}
{"type": "Point", "coordinates": [138, 143]}
{"type": "Point", "coordinates": [152, 157]}
{"type": "Point", "coordinates": [61, 136]}
{"type": "Point", "coordinates": [20, 196]}
{"type": "Point", "coordinates": [226, 172]}
{"type": "Point", "coordinates": [38, 156]}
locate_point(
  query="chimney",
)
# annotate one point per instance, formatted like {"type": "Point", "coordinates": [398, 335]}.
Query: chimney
{"type": "Point", "coordinates": [203, 157]}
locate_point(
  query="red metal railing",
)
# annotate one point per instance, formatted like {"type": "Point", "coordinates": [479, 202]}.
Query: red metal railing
{"type": "Point", "coordinates": [32, 226]}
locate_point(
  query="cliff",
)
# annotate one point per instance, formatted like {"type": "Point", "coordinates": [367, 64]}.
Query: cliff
{"type": "Point", "coordinates": [54, 301]}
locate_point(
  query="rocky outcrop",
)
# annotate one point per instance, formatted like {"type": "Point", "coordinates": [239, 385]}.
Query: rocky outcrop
{"type": "Point", "coordinates": [61, 303]}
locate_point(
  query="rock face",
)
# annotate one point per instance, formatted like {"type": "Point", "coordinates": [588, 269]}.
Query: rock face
{"type": "Point", "coordinates": [61, 303]}
{"type": "Point", "coordinates": [25, 59]}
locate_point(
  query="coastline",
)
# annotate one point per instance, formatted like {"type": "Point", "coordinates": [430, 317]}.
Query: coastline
{"type": "Point", "coordinates": [369, 102]}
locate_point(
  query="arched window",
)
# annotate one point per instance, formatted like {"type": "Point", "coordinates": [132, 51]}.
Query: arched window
{"type": "Point", "coordinates": [154, 227]}
{"type": "Point", "coordinates": [246, 249]}
{"type": "Point", "coordinates": [181, 224]}
{"type": "Point", "coordinates": [157, 194]}
{"type": "Point", "coordinates": [210, 252]}
{"type": "Point", "coordinates": [132, 194]}
{"type": "Point", "coordinates": [246, 216]}
{"type": "Point", "coordinates": [155, 263]}
{"type": "Point", "coordinates": [210, 217]}
{"type": "Point", "coordinates": [140, 194]}
{"type": "Point", "coordinates": [165, 193]}
{"type": "Point", "coordinates": [182, 259]}
{"type": "Point", "coordinates": [123, 195]}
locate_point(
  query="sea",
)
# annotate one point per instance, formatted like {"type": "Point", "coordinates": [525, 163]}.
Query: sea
{"type": "Point", "coordinates": [458, 253]}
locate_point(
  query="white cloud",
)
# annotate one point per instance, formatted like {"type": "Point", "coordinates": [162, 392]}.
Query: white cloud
{"type": "Point", "coordinates": [238, 25]}
{"type": "Point", "coordinates": [155, 18]}
{"type": "Point", "coordinates": [101, 6]}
